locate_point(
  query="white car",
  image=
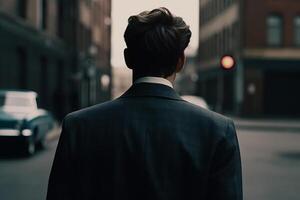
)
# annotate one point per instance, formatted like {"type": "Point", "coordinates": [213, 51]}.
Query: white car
{"type": "Point", "coordinates": [21, 120]}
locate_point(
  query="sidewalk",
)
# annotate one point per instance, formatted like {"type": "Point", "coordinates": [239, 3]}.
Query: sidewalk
{"type": "Point", "coordinates": [292, 125]}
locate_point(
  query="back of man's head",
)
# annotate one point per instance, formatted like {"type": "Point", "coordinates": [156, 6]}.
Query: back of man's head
{"type": "Point", "coordinates": [155, 41]}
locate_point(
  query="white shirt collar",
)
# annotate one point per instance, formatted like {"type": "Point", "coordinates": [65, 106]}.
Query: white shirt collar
{"type": "Point", "coordinates": [152, 79]}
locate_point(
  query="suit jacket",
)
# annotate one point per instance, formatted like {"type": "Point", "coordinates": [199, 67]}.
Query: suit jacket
{"type": "Point", "coordinates": [147, 144]}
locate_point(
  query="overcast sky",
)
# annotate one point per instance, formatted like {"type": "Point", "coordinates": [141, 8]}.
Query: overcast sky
{"type": "Point", "coordinates": [122, 9]}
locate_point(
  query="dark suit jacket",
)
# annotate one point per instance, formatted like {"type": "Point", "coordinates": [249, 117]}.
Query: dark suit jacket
{"type": "Point", "coordinates": [147, 144]}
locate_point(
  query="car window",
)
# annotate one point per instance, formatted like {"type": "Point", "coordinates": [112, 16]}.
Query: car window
{"type": "Point", "coordinates": [38, 102]}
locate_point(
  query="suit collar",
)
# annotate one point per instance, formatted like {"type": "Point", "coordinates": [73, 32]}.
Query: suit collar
{"type": "Point", "coordinates": [151, 90]}
{"type": "Point", "coordinates": [152, 79]}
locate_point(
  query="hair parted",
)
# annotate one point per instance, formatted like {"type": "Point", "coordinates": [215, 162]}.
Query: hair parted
{"type": "Point", "coordinates": [155, 40]}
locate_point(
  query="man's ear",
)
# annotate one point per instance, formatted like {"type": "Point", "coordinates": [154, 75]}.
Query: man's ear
{"type": "Point", "coordinates": [127, 58]}
{"type": "Point", "coordinates": [181, 62]}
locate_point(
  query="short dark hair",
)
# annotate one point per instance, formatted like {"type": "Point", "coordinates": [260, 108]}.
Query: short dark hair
{"type": "Point", "coordinates": [155, 40]}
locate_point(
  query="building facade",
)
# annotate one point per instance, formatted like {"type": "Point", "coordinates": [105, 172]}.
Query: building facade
{"type": "Point", "coordinates": [58, 48]}
{"type": "Point", "coordinates": [263, 37]}
{"type": "Point", "coordinates": [94, 43]}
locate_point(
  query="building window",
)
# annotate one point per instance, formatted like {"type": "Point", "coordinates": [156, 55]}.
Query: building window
{"type": "Point", "coordinates": [22, 64]}
{"type": "Point", "coordinates": [43, 13]}
{"type": "Point", "coordinates": [44, 81]}
{"type": "Point", "coordinates": [22, 8]}
{"type": "Point", "coordinates": [274, 30]}
{"type": "Point", "coordinates": [226, 2]}
{"type": "Point", "coordinates": [297, 30]}
{"type": "Point", "coordinates": [61, 19]}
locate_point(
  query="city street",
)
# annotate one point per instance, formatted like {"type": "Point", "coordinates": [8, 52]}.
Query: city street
{"type": "Point", "coordinates": [26, 178]}
{"type": "Point", "coordinates": [238, 59]}
{"type": "Point", "coordinates": [271, 163]}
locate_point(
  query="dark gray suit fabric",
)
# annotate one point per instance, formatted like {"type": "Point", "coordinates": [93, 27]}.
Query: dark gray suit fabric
{"type": "Point", "coordinates": [147, 144]}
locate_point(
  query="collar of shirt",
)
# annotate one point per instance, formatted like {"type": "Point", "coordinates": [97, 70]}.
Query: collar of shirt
{"type": "Point", "coordinates": [151, 79]}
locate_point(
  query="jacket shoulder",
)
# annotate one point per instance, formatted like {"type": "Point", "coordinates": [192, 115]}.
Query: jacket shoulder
{"type": "Point", "coordinates": [85, 113]}
{"type": "Point", "coordinates": [215, 122]}
{"type": "Point", "coordinates": [208, 114]}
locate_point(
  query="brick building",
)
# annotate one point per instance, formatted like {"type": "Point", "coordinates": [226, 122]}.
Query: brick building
{"type": "Point", "coordinates": [264, 39]}
{"type": "Point", "coordinates": [58, 48]}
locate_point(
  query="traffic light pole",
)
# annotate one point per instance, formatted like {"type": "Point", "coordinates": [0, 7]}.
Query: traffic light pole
{"type": "Point", "coordinates": [219, 106]}
{"type": "Point", "coordinates": [239, 87]}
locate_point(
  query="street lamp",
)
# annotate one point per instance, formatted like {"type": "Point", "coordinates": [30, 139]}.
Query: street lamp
{"type": "Point", "coordinates": [227, 62]}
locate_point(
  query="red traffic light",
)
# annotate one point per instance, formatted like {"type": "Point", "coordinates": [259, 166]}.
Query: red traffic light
{"type": "Point", "coordinates": [227, 62]}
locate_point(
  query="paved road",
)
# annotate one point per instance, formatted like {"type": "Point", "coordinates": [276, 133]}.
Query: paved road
{"type": "Point", "coordinates": [271, 164]}
{"type": "Point", "coordinates": [26, 178]}
{"type": "Point", "coordinates": [271, 167]}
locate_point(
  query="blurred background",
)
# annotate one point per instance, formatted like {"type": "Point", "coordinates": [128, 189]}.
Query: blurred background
{"type": "Point", "coordinates": [58, 56]}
